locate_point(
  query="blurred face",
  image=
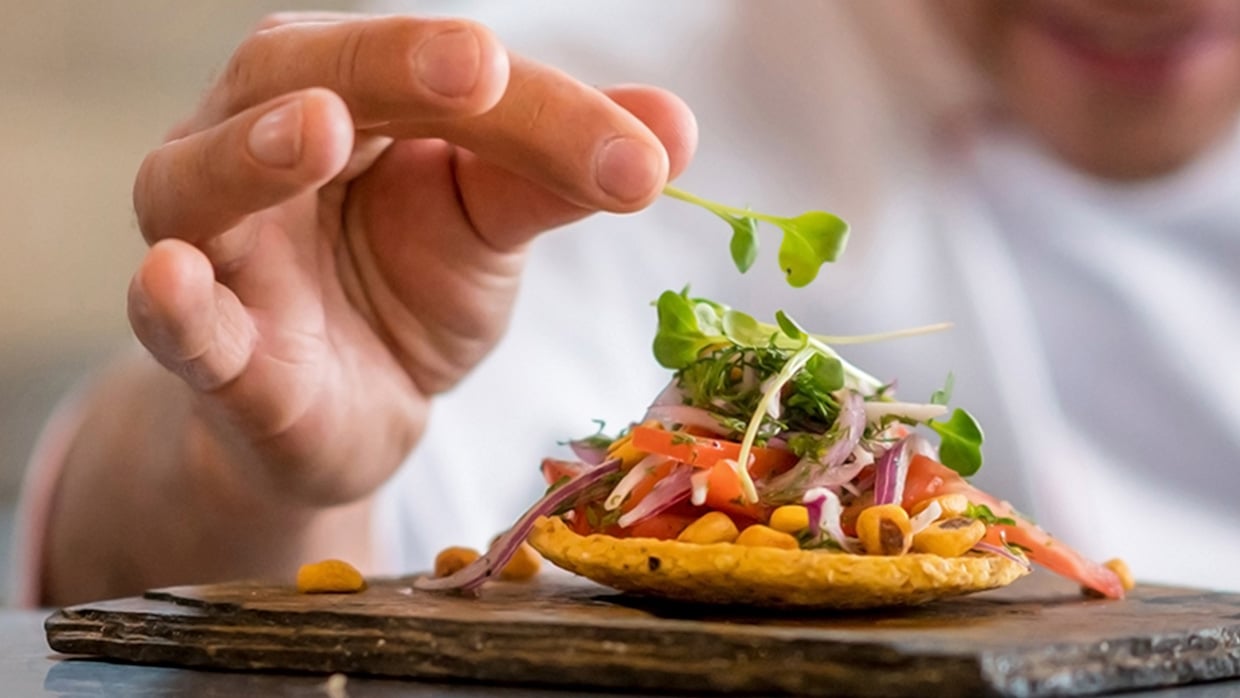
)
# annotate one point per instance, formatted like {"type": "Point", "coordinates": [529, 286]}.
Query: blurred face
{"type": "Point", "coordinates": [1120, 88]}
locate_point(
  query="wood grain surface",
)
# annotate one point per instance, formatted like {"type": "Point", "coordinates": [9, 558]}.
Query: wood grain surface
{"type": "Point", "coordinates": [1038, 637]}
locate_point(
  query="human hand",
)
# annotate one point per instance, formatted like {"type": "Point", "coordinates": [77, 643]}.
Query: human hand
{"type": "Point", "coordinates": [338, 231]}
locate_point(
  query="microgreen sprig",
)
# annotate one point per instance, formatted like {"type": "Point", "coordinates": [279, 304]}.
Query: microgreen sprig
{"type": "Point", "coordinates": [809, 240]}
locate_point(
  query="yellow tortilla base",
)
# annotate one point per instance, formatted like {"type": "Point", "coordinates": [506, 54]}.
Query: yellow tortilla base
{"type": "Point", "coordinates": [724, 573]}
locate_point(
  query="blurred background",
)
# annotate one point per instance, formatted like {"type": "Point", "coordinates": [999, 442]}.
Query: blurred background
{"type": "Point", "coordinates": [87, 87]}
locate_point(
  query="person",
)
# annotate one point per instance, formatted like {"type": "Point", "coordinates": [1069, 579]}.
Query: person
{"type": "Point", "coordinates": [339, 231]}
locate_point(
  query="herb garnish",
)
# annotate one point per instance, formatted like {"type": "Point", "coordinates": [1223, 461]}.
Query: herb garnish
{"type": "Point", "coordinates": [982, 513]}
{"type": "Point", "coordinates": [809, 240]}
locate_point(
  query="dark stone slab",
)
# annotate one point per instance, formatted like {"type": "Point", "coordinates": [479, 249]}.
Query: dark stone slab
{"type": "Point", "coordinates": [1038, 637]}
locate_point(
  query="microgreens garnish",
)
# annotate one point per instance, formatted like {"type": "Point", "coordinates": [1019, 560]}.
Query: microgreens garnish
{"type": "Point", "coordinates": [982, 513]}
{"type": "Point", "coordinates": [809, 240]}
{"type": "Point", "coordinates": [960, 442]}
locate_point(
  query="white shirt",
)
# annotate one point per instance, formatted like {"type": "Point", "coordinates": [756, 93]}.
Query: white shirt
{"type": "Point", "coordinates": [1095, 324]}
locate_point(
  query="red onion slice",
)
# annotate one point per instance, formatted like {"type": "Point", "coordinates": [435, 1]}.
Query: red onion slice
{"type": "Point", "coordinates": [635, 475]}
{"type": "Point", "coordinates": [825, 510]}
{"type": "Point", "coordinates": [476, 573]}
{"type": "Point", "coordinates": [671, 490]}
{"type": "Point", "coordinates": [890, 472]}
{"type": "Point", "coordinates": [929, 515]}
{"type": "Point", "coordinates": [685, 415]}
{"type": "Point", "coordinates": [832, 470]}
{"type": "Point", "coordinates": [1002, 552]}
{"type": "Point", "coordinates": [588, 453]}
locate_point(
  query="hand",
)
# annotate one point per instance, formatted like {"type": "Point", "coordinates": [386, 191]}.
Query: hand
{"type": "Point", "coordinates": [338, 231]}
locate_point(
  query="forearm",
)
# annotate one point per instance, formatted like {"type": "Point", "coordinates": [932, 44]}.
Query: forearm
{"type": "Point", "coordinates": [146, 498]}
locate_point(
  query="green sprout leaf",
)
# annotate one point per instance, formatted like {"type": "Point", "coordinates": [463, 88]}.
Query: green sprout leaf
{"type": "Point", "coordinates": [790, 327]}
{"type": "Point", "coordinates": [982, 513]}
{"type": "Point", "coordinates": [744, 244]}
{"type": "Point", "coordinates": [960, 446]}
{"type": "Point", "coordinates": [943, 395]}
{"type": "Point", "coordinates": [826, 372]}
{"type": "Point", "coordinates": [679, 338]}
{"type": "Point", "coordinates": [809, 240]}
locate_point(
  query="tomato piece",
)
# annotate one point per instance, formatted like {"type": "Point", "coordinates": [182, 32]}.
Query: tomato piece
{"type": "Point", "coordinates": [664, 526]}
{"type": "Point", "coordinates": [704, 452]}
{"type": "Point", "coordinates": [928, 478]}
{"type": "Point", "coordinates": [554, 470]}
{"type": "Point", "coordinates": [723, 492]}
{"type": "Point", "coordinates": [641, 489]}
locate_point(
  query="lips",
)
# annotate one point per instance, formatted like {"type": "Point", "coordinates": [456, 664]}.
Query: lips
{"type": "Point", "coordinates": [1130, 49]}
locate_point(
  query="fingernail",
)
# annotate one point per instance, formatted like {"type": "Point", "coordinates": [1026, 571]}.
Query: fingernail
{"type": "Point", "coordinates": [275, 139]}
{"type": "Point", "coordinates": [626, 168]}
{"type": "Point", "coordinates": [448, 63]}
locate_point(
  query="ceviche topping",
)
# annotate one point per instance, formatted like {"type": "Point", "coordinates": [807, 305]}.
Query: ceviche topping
{"type": "Point", "coordinates": [766, 426]}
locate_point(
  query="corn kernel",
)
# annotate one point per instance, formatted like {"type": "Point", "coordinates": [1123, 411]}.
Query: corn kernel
{"type": "Point", "coordinates": [884, 530]}
{"type": "Point", "coordinates": [452, 560]}
{"type": "Point", "coordinates": [714, 527]}
{"type": "Point", "coordinates": [759, 536]}
{"type": "Point", "coordinates": [953, 505]}
{"type": "Point", "coordinates": [950, 537]}
{"type": "Point", "coordinates": [329, 576]}
{"type": "Point", "coordinates": [1120, 568]}
{"type": "Point", "coordinates": [790, 518]}
{"type": "Point", "coordinates": [523, 565]}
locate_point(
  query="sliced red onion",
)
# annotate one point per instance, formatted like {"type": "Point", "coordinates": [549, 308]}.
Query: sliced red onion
{"type": "Point", "coordinates": [825, 510]}
{"type": "Point", "coordinates": [671, 490]}
{"type": "Point", "coordinates": [917, 412]}
{"type": "Point", "coordinates": [476, 573]}
{"type": "Point", "coordinates": [834, 469]}
{"type": "Point", "coordinates": [588, 453]}
{"type": "Point", "coordinates": [670, 395]}
{"type": "Point", "coordinates": [890, 472]}
{"type": "Point", "coordinates": [1002, 552]}
{"type": "Point", "coordinates": [699, 482]}
{"type": "Point", "coordinates": [919, 445]}
{"type": "Point", "coordinates": [686, 415]}
{"type": "Point", "coordinates": [929, 515]}
{"type": "Point", "coordinates": [635, 475]}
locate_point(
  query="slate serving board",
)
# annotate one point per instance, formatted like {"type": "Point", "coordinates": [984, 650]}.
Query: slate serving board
{"type": "Point", "coordinates": [1037, 637]}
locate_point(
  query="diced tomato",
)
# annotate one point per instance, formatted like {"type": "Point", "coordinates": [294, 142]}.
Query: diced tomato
{"type": "Point", "coordinates": [554, 469]}
{"type": "Point", "coordinates": [641, 489]}
{"type": "Point", "coordinates": [664, 526]}
{"type": "Point", "coordinates": [723, 492]}
{"type": "Point", "coordinates": [703, 452]}
{"type": "Point", "coordinates": [928, 478]}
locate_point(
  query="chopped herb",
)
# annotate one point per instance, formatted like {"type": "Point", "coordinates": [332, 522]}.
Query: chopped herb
{"type": "Point", "coordinates": [560, 482]}
{"type": "Point", "coordinates": [982, 513]}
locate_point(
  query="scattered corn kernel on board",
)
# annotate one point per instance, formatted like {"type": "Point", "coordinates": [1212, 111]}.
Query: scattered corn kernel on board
{"type": "Point", "coordinates": [1036, 637]}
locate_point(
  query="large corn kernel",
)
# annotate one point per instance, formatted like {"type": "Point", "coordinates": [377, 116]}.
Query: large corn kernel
{"type": "Point", "coordinates": [523, 565]}
{"type": "Point", "coordinates": [884, 530]}
{"type": "Point", "coordinates": [790, 518]}
{"type": "Point", "coordinates": [953, 505]}
{"type": "Point", "coordinates": [714, 527]}
{"type": "Point", "coordinates": [329, 576]}
{"type": "Point", "coordinates": [452, 560]}
{"type": "Point", "coordinates": [759, 536]}
{"type": "Point", "coordinates": [1120, 568]}
{"type": "Point", "coordinates": [950, 537]}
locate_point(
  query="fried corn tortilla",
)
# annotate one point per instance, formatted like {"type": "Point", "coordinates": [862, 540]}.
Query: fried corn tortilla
{"type": "Point", "coordinates": [725, 573]}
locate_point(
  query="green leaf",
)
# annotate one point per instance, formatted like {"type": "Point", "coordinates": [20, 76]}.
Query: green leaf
{"type": "Point", "coordinates": [790, 327]}
{"type": "Point", "coordinates": [744, 330]}
{"type": "Point", "coordinates": [810, 240]}
{"type": "Point", "coordinates": [960, 446]}
{"type": "Point", "coordinates": [943, 395]}
{"type": "Point", "coordinates": [744, 244]}
{"type": "Point", "coordinates": [826, 372]}
{"type": "Point", "coordinates": [679, 338]}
